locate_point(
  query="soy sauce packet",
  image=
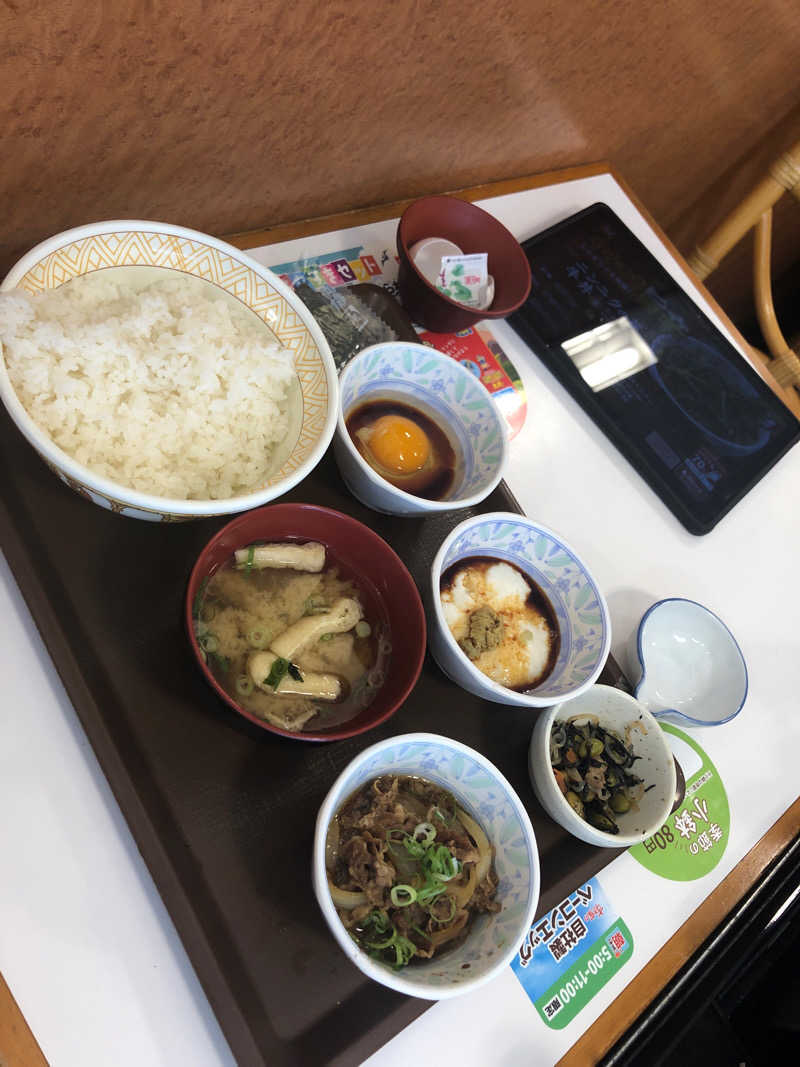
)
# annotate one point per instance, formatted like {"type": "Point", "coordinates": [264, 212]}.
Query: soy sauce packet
{"type": "Point", "coordinates": [465, 279]}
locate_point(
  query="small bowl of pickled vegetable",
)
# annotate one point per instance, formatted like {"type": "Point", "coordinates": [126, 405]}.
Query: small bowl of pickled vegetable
{"type": "Point", "coordinates": [425, 866]}
{"type": "Point", "coordinates": [602, 768]}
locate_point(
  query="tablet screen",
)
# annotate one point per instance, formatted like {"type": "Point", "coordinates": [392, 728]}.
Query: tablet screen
{"type": "Point", "coordinates": [666, 386]}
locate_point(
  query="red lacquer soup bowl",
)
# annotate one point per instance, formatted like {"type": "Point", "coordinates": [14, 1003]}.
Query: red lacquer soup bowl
{"type": "Point", "coordinates": [386, 590]}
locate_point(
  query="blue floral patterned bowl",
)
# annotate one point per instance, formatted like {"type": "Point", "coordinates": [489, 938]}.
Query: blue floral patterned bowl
{"type": "Point", "coordinates": [564, 579]}
{"type": "Point", "coordinates": [484, 793]}
{"type": "Point", "coordinates": [447, 393]}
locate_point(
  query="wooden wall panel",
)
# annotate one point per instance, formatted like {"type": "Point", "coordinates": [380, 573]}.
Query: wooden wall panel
{"type": "Point", "coordinates": [227, 116]}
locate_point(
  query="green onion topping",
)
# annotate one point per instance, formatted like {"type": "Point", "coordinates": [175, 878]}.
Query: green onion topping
{"type": "Point", "coordinates": [379, 934]}
{"type": "Point", "coordinates": [441, 864]}
{"type": "Point", "coordinates": [447, 814]}
{"type": "Point", "coordinates": [415, 849]}
{"type": "Point", "coordinates": [208, 642]}
{"type": "Point", "coordinates": [385, 943]}
{"type": "Point", "coordinates": [424, 833]}
{"type": "Point", "coordinates": [403, 895]}
{"type": "Point", "coordinates": [363, 628]}
{"type": "Point", "coordinates": [395, 838]}
{"type": "Point", "coordinates": [404, 950]}
{"type": "Point", "coordinates": [430, 891]}
{"type": "Point", "coordinates": [378, 930]}
{"type": "Point", "coordinates": [251, 551]}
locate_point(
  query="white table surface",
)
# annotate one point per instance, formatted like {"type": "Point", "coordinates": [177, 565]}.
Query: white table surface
{"type": "Point", "coordinates": [86, 944]}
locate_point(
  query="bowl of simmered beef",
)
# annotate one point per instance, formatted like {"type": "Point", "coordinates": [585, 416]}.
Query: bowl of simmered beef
{"type": "Point", "coordinates": [425, 866]}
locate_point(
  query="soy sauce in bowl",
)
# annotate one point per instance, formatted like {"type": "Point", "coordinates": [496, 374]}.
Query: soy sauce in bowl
{"type": "Point", "coordinates": [405, 446]}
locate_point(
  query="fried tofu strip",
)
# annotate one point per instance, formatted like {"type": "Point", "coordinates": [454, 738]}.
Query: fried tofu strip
{"type": "Point", "coordinates": [342, 616]}
{"type": "Point", "coordinates": [307, 557]}
{"type": "Point", "coordinates": [319, 686]}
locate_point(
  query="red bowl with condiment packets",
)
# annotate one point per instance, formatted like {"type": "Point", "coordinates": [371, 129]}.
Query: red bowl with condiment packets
{"type": "Point", "coordinates": [473, 230]}
{"type": "Point", "coordinates": [385, 587]}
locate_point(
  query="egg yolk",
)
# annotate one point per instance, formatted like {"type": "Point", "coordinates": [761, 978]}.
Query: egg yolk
{"type": "Point", "coordinates": [399, 444]}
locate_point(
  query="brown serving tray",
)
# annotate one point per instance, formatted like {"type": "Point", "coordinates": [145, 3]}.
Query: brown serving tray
{"type": "Point", "coordinates": [223, 812]}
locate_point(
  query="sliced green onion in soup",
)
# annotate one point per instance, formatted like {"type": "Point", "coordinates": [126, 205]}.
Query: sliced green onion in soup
{"type": "Point", "coordinates": [276, 673]}
{"type": "Point", "coordinates": [209, 643]}
{"type": "Point", "coordinates": [244, 685]}
{"type": "Point", "coordinates": [222, 662]}
{"type": "Point", "coordinates": [257, 638]}
{"type": "Point", "coordinates": [363, 628]}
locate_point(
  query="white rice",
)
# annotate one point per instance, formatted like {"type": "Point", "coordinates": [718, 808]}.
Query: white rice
{"type": "Point", "coordinates": [174, 389]}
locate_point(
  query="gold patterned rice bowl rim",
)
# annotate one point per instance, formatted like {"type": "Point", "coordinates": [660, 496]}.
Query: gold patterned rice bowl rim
{"type": "Point", "coordinates": [135, 243]}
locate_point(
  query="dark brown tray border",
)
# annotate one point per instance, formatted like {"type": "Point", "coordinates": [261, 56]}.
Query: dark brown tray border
{"type": "Point", "coordinates": [152, 835]}
{"type": "Point", "coordinates": [171, 870]}
{"type": "Point", "coordinates": [141, 824]}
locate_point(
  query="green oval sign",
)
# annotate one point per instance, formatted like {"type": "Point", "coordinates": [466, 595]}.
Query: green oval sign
{"type": "Point", "coordinates": [693, 839]}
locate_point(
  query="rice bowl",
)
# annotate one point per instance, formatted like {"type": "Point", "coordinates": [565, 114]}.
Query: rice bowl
{"type": "Point", "coordinates": [168, 375]}
{"type": "Point", "coordinates": [200, 393]}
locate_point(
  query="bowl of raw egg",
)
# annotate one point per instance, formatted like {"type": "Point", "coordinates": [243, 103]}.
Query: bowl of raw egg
{"type": "Point", "coordinates": [515, 615]}
{"type": "Point", "coordinates": [416, 431]}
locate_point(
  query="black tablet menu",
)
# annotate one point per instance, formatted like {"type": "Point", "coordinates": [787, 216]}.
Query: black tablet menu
{"type": "Point", "coordinates": [675, 397]}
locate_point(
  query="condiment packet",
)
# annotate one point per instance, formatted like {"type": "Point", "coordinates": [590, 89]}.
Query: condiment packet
{"type": "Point", "coordinates": [465, 279]}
